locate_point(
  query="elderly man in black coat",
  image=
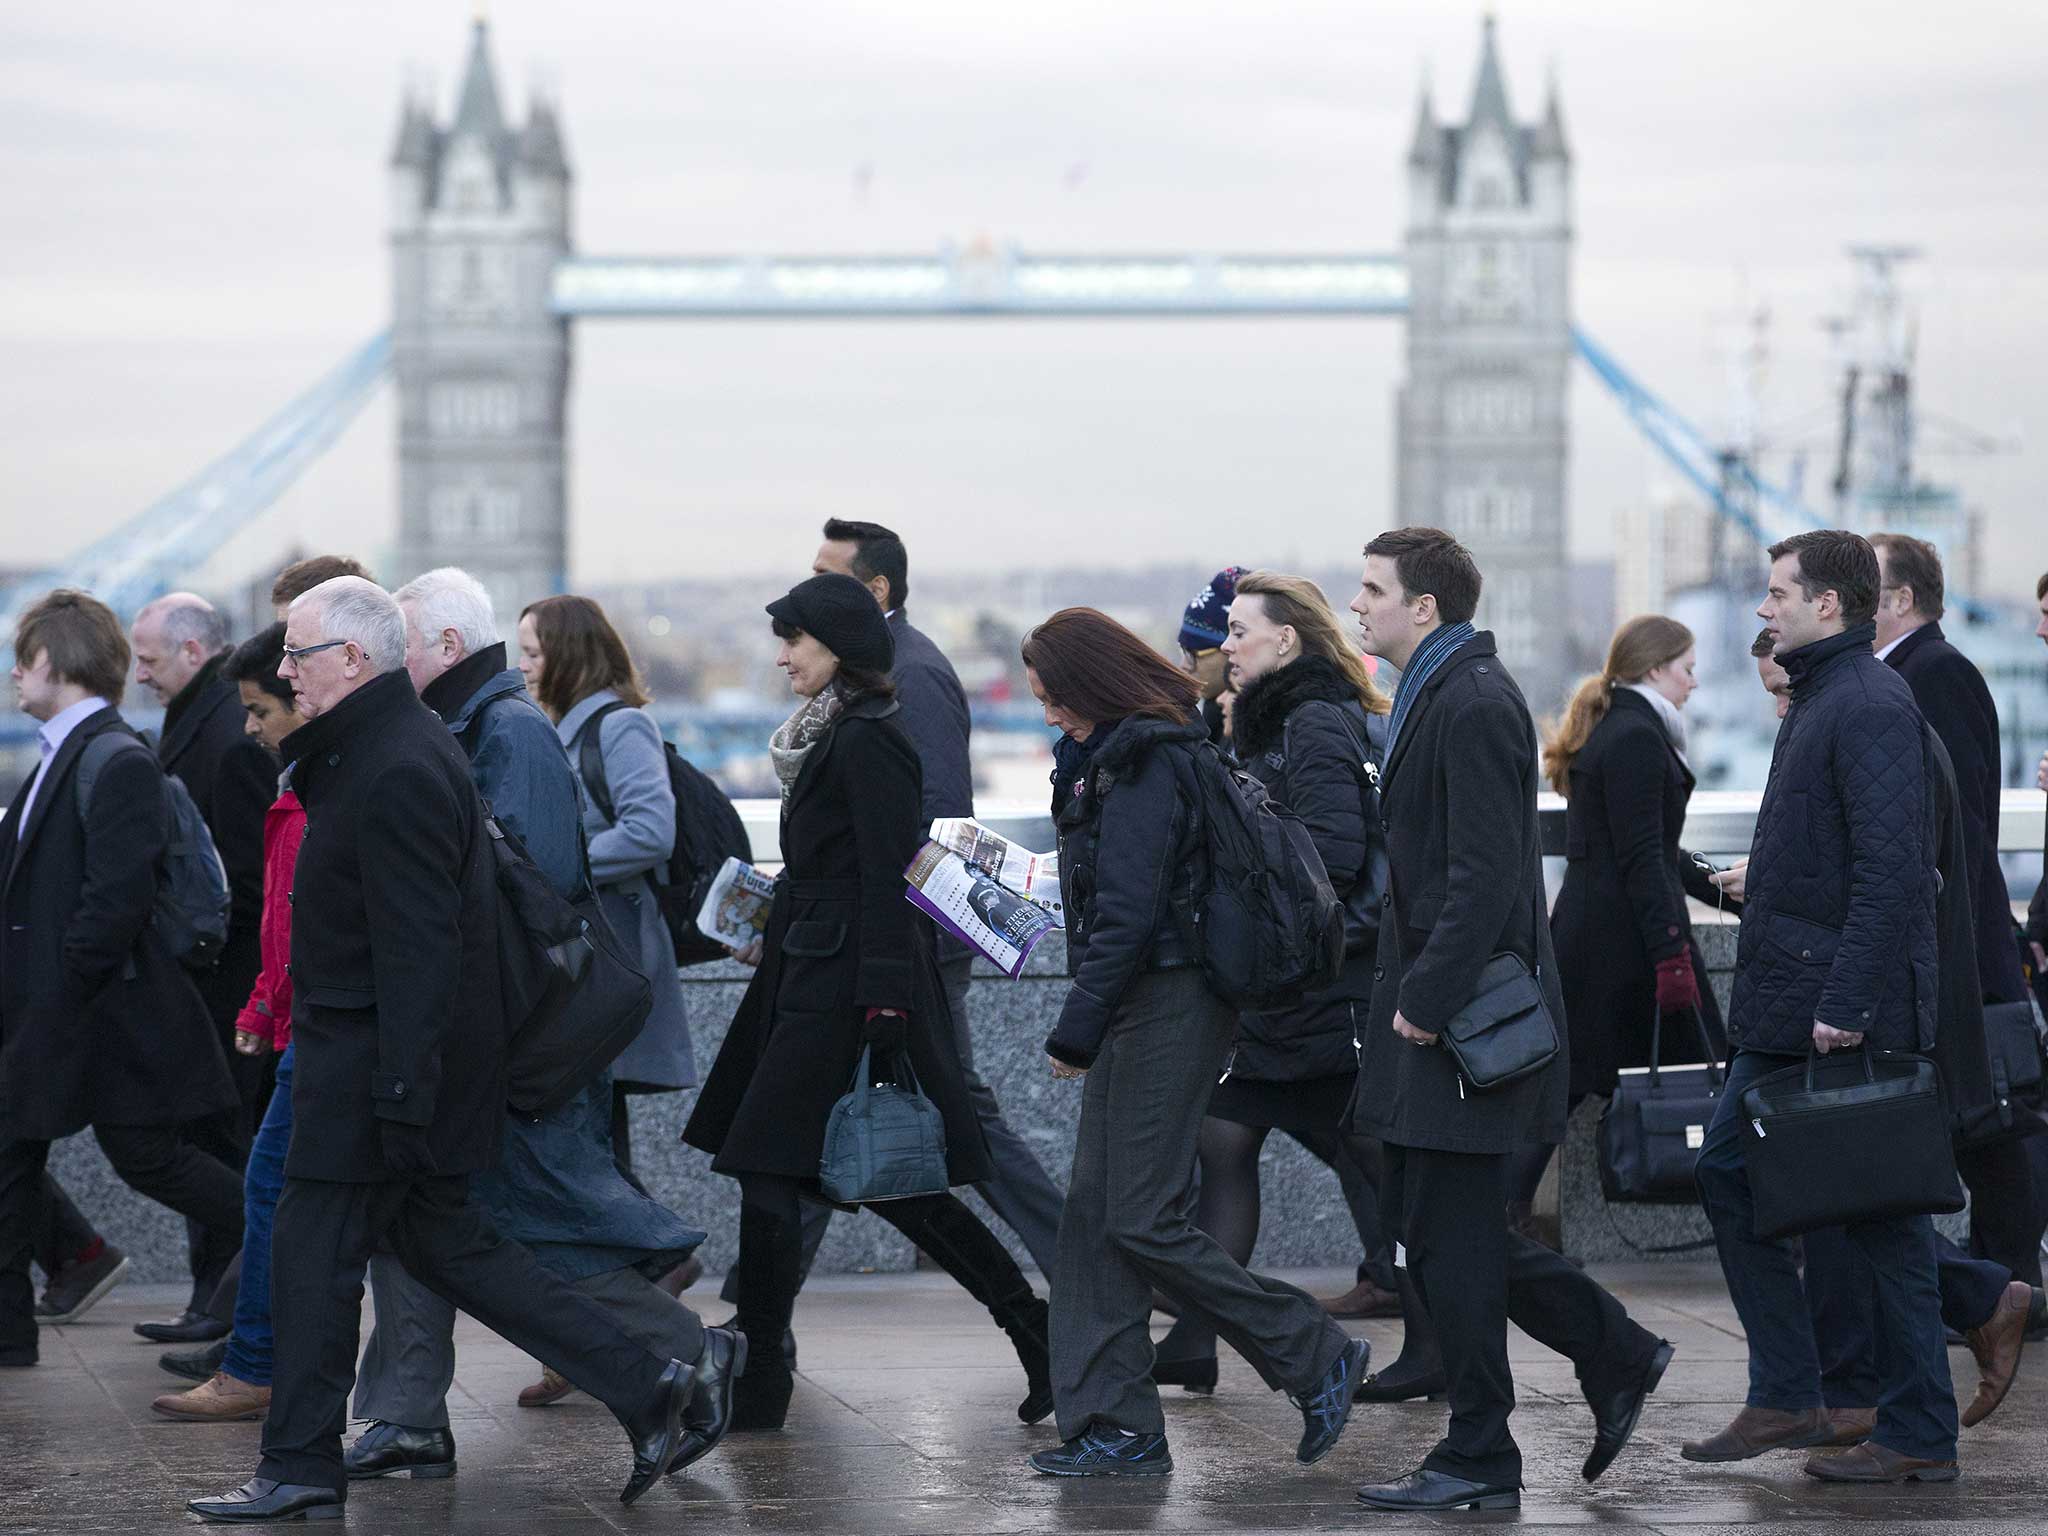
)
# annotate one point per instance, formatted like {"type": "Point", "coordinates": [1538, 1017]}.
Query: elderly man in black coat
{"type": "Point", "coordinates": [399, 1085]}
{"type": "Point", "coordinates": [1458, 807]}
{"type": "Point", "coordinates": [99, 1024]}
{"type": "Point", "coordinates": [1837, 949]}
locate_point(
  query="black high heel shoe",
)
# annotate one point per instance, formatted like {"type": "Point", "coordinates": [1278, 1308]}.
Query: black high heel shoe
{"type": "Point", "coordinates": [1194, 1373]}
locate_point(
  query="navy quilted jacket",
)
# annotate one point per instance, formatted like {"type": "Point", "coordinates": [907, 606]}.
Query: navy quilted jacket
{"type": "Point", "coordinates": [1838, 919]}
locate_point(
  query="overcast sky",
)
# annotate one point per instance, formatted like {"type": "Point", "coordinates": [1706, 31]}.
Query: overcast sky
{"type": "Point", "coordinates": [195, 201]}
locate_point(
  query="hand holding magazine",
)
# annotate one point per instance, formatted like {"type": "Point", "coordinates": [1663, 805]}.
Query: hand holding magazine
{"type": "Point", "coordinates": [993, 896]}
{"type": "Point", "coordinates": [735, 910]}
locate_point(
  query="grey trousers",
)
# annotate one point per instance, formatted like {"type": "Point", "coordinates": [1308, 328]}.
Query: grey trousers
{"type": "Point", "coordinates": [1130, 1222]}
{"type": "Point", "coordinates": [410, 1362]}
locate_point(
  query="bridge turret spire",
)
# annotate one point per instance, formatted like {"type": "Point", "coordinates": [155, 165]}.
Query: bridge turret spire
{"type": "Point", "coordinates": [1490, 91]}
{"type": "Point", "coordinates": [477, 113]}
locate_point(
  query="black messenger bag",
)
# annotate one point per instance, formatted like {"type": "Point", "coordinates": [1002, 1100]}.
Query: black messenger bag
{"type": "Point", "coordinates": [1653, 1128]}
{"type": "Point", "coordinates": [1506, 1032]}
{"type": "Point", "coordinates": [1853, 1136]}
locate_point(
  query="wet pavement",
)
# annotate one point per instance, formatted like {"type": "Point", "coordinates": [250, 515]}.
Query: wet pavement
{"type": "Point", "coordinates": [904, 1421]}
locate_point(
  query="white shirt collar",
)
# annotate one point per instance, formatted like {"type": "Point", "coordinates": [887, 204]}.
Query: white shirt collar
{"type": "Point", "coordinates": [1884, 651]}
{"type": "Point", "coordinates": [54, 730]}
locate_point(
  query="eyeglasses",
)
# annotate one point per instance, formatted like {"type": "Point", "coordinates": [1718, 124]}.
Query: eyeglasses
{"type": "Point", "coordinates": [297, 654]}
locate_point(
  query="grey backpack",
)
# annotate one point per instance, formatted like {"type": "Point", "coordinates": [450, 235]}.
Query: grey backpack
{"type": "Point", "coordinates": [191, 911]}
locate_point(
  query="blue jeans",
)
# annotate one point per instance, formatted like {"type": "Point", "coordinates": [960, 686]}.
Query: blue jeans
{"type": "Point", "coordinates": [249, 1347]}
{"type": "Point", "coordinates": [1891, 1262]}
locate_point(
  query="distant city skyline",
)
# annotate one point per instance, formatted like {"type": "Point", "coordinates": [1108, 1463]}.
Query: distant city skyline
{"type": "Point", "coordinates": [200, 221]}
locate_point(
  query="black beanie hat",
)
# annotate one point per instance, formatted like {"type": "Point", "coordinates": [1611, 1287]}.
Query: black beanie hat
{"type": "Point", "coordinates": [843, 616]}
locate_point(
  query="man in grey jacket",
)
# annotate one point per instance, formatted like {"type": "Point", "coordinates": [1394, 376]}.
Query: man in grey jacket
{"type": "Point", "coordinates": [934, 713]}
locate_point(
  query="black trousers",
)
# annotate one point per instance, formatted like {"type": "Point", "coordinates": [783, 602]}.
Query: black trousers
{"type": "Point", "coordinates": [153, 1160]}
{"type": "Point", "coordinates": [1449, 1210]}
{"type": "Point", "coordinates": [2005, 1217]}
{"type": "Point", "coordinates": [321, 1245]}
{"type": "Point", "coordinates": [61, 1231]}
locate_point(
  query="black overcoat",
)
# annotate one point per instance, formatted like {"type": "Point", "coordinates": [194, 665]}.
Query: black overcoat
{"type": "Point", "coordinates": [1952, 695]}
{"type": "Point", "coordinates": [841, 939]}
{"type": "Point", "coordinates": [1621, 908]}
{"type": "Point", "coordinates": [1458, 808]}
{"type": "Point", "coordinates": [395, 998]}
{"type": "Point", "coordinates": [232, 779]}
{"type": "Point", "coordinates": [99, 1023]}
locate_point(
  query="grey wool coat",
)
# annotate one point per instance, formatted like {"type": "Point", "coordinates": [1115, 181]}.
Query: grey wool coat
{"type": "Point", "coordinates": [624, 859]}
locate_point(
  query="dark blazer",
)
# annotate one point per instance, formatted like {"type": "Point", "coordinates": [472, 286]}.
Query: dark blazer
{"type": "Point", "coordinates": [395, 1002]}
{"type": "Point", "coordinates": [841, 939]}
{"type": "Point", "coordinates": [1458, 810]}
{"type": "Point", "coordinates": [933, 713]}
{"type": "Point", "coordinates": [1301, 732]}
{"type": "Point", "coordinates": [1952, 695]}
{"type": "Point", "coordinates": [1622, 906]}
{"type": "Point", "coordinates": [1838, 903]}
{"type": "Point", "coordinates": [98, 1023]}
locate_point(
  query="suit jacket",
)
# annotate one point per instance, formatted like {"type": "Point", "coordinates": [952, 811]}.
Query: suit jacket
{"type": "Point", "coordinates": [934, 715]}
{"type": "Point", "coordinates": [395, 994]}
{"type": "Point", "coordinates": [98, 1023]}
{"type": "Point", "coordinates": [1952, 695]}
{"type": "Point", "coordinates": [1465, 882]}
{"type": "Point", "coordinates": [841, 939]}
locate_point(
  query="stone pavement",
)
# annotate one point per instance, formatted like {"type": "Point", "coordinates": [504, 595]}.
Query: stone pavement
{"type": "Point", "coordinates": [904, 1422]}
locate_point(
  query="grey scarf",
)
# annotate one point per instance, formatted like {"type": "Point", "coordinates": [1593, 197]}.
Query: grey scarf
{"type": "Point", "coordinates": [794, 738]}
{"type": "Point", "coordinates": [1668, 715]}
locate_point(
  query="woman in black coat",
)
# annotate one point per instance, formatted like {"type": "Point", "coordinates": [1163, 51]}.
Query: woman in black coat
{"type": "Point", "coordinates": [1306, 721]}
{"type": "Point", "coordinates": [846, 965]}
{"type": "Point", "coordinates": [1625, 950]}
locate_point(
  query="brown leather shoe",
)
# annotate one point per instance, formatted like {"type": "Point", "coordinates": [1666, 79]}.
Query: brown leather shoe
{"type": "Point", "coordinates": [220, 1399]}
{"type": "Point", "coordinates": [1997, 1346]}
{"type": "Point", "coordinates": [1848, 1426]}
{"type": "Point", "coordinates": [1874, 1463]}
{"type": "Point", "coordinates": [1757, 1430]}
{"type": "Point", "coordinates": [1364, 1299]}
{"type": "Point", "coordinates": [551, 1388]}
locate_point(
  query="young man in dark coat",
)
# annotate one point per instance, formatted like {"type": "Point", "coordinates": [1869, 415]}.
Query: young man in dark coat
{"type": "Point", "coordinates": [1458, 808]}
{"type": "Point", "coordinates": [1837, 949]}
{"type": "Point", "coordinates": [2005, 1213]}
{"type": "Point", "coordinates": [399, 1081]}
{"type": "Point", "coordinates": [99, 1024]}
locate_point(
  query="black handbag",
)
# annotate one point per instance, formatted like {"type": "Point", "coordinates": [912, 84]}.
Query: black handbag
{"type": "Point", "coordinates": [1855, 1136]}
{"type": "Point", "coordinates": [2012, 1032]}
{"type": "Point", "coordinates": [1506, 1032]}
{"type": "Point", "coordinates": [1655, 1124]}
{"type": "Point", "coordinates": [883, 1141]}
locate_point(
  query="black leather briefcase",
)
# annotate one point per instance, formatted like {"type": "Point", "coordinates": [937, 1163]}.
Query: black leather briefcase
{"type": "Point", "coordinates": [1652, 1129]}
{"type": "Point", "coordinates": [1852, 1136]}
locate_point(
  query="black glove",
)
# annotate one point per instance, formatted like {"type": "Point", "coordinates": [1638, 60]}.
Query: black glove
{"type": "Point", "coordinates": [406, 1155]}
{"type": "Point", "coordinates": [884, 1031]}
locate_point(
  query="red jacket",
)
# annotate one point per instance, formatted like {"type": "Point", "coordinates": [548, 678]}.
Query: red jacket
{"type": "Point", "coordinates": [269, 1010]}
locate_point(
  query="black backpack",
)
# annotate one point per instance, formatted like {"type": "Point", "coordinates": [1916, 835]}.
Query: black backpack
{"type": "Point", "coordinates": [190, 912]}
{"type": "Point", "coordinates": [573, 996]}
{"type": "Point", "coordinates": [708, 832]}
{"type": "Point", "coordinates": [1263, 918]}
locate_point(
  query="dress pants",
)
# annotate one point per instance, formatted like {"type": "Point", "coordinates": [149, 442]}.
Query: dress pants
{"type": "Point", "coordinates": [1915, 1399]}
{"type": "Point", "coordinates": [153, 1160]}
{"type": "Point", "coordinates": [1129, 1223]}
{"type": "Point", "coordinates": [61, 1231]}
{"type": "Point", "coordinates": [1449, 1210]}
{"type": "Point", "coordinates": [410, 1363]}
{"type": "Point", "coordinates": [325, 1235]}
{"type": "Point", "coordinates": [2005, 1213]}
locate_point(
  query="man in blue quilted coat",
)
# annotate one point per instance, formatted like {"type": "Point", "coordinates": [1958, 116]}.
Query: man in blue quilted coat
{"type": "Point", "coordinates": [1837, 950]}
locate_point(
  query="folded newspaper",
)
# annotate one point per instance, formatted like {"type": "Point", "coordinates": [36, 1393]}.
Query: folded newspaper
{"type": "Point", "coordinates": [987, 892]}
{"type": "Point", "coordinates": [735, 910]}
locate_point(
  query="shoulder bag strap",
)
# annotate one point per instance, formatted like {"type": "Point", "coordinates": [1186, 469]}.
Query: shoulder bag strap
{"type": "Point", "coordinates": [590, 760]}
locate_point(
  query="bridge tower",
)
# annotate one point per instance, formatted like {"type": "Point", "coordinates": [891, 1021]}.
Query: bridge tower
{"type": "Point", "coordinates": [1481, 416]}
{"type": "Point", "coordinates": [480, 215]}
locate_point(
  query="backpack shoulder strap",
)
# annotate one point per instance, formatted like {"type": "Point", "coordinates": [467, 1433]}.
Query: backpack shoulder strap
{"type": "Point", "coordinates": [590, 759]}
{"type": "Point", "coordinates": [97, 753]}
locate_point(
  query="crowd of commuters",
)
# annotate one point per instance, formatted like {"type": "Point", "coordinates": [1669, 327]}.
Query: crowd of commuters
{"type": "Point", "coordinates": [298, 1042]}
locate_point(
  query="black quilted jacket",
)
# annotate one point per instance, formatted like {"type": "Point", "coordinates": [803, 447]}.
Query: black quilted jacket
{"type": "Point", "coordinates": [1838, 919]}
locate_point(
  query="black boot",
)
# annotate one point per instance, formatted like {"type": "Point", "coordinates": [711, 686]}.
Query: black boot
{"type": "Point", "coordinates": [769, 1268]}
{"type": "Point", "coordinates": [1419, 1369]}
{"type": "Point", "coordinates": [965, 1249]}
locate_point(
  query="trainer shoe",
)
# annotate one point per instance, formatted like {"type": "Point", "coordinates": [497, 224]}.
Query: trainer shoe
{"type": "Point", "coordinates": [1101, 1451]}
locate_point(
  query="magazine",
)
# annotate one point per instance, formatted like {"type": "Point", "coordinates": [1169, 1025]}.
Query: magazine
{"type": "Point", "coordinates": [735, 910]}
{"type": "Point", "coordinates": [967, 902]}
{"type": "Point", "coordinates": [1034, 876]}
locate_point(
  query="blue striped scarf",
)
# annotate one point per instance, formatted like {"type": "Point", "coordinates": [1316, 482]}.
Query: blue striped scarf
{"type": "Point", "coordinates": [1423, 665]}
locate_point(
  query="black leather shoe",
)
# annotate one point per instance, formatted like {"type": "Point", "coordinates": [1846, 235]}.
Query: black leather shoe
{"type": "Point", "coordinates": [1393, 1385]}
{"type": "Point", "coordinates": [1193, 1373]}
{"type": "Point", "coordinates": [709, 1414]}
{"type": "Point", "coordinates": [263, 1498]}
{"type": "Point", "coordinates": [187, 1328]}
{"type": "Point", "coordinates": [1614, 1417]}
{"type": "Point", "coordinates": [1426, 1490]}
{"type": "Point", "coordinates": [200, 1364]}
{"type": "Point", "coordinates": [657, 1430]}
{"type": "Point", "coordinates": [383, 1449]}
{"type": "Point", "coordinates": [1327, 1409]}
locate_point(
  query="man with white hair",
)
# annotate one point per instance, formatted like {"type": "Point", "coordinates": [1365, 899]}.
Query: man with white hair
{"type": "Point", "coordinates": [399, 1078]}
{"type": "Point", "coordinates": [181, 645]}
